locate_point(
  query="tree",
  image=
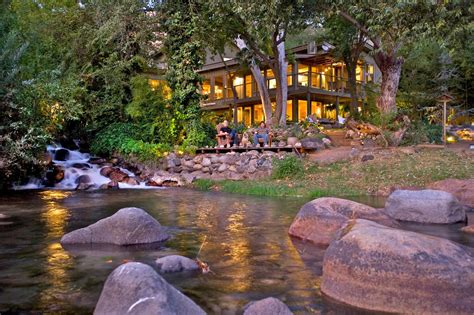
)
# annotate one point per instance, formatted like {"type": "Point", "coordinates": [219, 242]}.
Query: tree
{"type": "Point", "coordinates": [390, 26]}
{"type": "Point", "coordinates": [259, 30]}
{"type": "Point", "coordinates": [185, 53]}
{"type": "Point", "coordinates": [349, 44]}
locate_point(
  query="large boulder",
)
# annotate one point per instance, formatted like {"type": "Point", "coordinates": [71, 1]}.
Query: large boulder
{"type": "Point", "coordinates": [383, 269]}
{"type": "Point", "coordinates": [312, 144]}
{"type": "Point", "coordinates": [463, 189]}
{"type": "Point", "coordinates": [128, 226]}
{"type": "Point", "coordinates": [268, 306]}
{"type": "Point", "coordinates": [175, 263]}
{"type": "Point", "coordinates": [425, 206]}
{"type": "Point", "coordinates": [61, 154]}
{"type": "Point", "coordinates": [320, 219]}
{"type": "Point", "coordinates": [135, 288]}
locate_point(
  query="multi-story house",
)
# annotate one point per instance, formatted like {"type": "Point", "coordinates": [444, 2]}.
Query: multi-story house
{"type": "Point", "coordinates": [317, 84]}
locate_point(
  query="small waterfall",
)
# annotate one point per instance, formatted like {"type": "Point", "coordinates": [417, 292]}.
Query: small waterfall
{"type": "Point", "coordinates": [73, 168]}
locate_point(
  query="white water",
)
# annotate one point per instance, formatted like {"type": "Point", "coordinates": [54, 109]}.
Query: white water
{"type": "Point", "coordinates": [71, 173]}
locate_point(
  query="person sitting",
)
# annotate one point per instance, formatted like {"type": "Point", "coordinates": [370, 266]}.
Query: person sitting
{"type": "Point", "coordinates": [225, 135]}
{"type": "Point", "coordinates": [261, 133]}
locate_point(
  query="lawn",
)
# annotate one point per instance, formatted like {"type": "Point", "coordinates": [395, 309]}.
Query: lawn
{"type": "Point", "coordinates": [390, 168]}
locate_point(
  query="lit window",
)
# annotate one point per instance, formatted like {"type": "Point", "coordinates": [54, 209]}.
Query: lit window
{"type": "Point", "coordinates": [370, 73]}
{"type": "Point", "coordinates": [303, 75]}
{"type": "Point", "coordinates": [289, 76]}
{"type": "Point", "coordinates": [302, 110]}
{"type": "Point", "coordinates": [359, 73]}
{"type": "Point", "coordinates": [206, 87]}
{"type": "Point", "coordinates": [248, 86]}
{"type": "Point", "coordinates": [316, 109]}
{"type": "Point", "coordinates": [289, 110]}
{"type": "Point", "coordinates": [239, 86]}
{"type": "Point", "coordinates": [258, 113]}
{"type": "Point", "coordinates": [271, 81]}
{"type": "Point", "coordinates": [218, 88]}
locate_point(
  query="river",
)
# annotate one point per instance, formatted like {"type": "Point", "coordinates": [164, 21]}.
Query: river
{"type": "Point", "coordinates": [247, 247]}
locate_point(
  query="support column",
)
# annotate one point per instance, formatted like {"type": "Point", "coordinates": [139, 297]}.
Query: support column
{"type": "Point", "coordinates": [337, 111]}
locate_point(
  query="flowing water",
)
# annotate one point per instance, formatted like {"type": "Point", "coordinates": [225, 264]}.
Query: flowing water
{"type": "Point", "coordinates": [247, 247]}
{"type": "Point", "coordinates": [75, 164]}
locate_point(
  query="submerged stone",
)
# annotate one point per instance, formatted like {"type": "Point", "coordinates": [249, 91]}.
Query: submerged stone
{"type": "Point", "coordinates": [128, 226]}
{"type": "Point", "coordinates": [383, 269]}
{"type": "Point", "coordinates": [135, 288]}
{"type": "Point", "coordinates": [320, 219]}
{"type": "Point", "coordinates": [175, 263]}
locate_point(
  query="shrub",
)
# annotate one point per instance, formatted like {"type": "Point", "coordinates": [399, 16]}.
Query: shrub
{"type": "Point", "coordinates": [287, 167]}
{"type": "Point", "coordinates": [422, 132]}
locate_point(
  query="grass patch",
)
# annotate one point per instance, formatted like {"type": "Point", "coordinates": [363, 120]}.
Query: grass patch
{"type": "Point", "coordinates": [203, 184]}
{"type": "Point", "coordinates": [390, 168]}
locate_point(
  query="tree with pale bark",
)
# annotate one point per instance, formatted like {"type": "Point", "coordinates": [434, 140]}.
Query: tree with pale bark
{"type": "Point", "coordinates": [259, 30]}
{"type": "Point", "coordinates": [390, 25]}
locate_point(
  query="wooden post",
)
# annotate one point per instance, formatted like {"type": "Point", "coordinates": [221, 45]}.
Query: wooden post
{"type": "Point", "coordinates": [444, 123]}
{"type": "Point", "coordinates": [337, 111]}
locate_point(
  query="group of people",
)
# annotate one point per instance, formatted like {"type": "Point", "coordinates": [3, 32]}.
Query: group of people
{"type": "Point", "coordinates": [228, 137]}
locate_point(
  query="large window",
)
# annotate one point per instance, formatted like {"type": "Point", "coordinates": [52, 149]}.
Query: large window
{"type": "Point", "coordinates": [316, 109]}
{"type": "Point", "coordinates": [289, 110]}
{"type": "Point", "coordinates": [218, 87]}
{"type": "Point", "coordinates": [271, 81]}
{"type": "Point", "coordinates": [302, 110]}
{"type": "Point", "coordinates": [258, 115]}
{"type": "Point", "coordinates": [289, 75]}
{"type": "Point", "coordinates": [239, 87]}
{"type": "Point", "coordinates": [206, 87]}
{"type": "Point", "coordinates": [248, 86]}
{"type": "Point", "coordinates": [303, 75]}
{"type": "Point", "coordinates": [244, 115]}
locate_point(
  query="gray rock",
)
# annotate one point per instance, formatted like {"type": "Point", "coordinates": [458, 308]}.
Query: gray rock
{"type": "Point", "coordinates": [312, 144]}
{"type": "Point", "coordinates": [135, 288]}
{"type": "Point", "coordinates": [128, 226]}
{"type": "Point", "coordinates": [175, 263]}
{"type": "Point", "coordinates": [319, 220]}
{"type": "Point", "coordinates": [425, 206]}
{"type": "Point", "coordinates": [222, 168]}
{"type": "Point", "coordinates": [206, 162]}
{"type": "Point", "coordinates": [268, 306]}
{"type": "Point", "coordinates": [388, 270]}
{"type": "Point", "coordinates": [367, 157]}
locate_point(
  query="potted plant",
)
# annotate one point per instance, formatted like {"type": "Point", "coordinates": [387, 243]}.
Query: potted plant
{"type": "Point", "coordinates": [294, 134]}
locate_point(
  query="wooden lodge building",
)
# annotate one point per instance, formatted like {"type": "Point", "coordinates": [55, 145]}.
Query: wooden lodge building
{"type": "Point", "coordinates": [317, 85]}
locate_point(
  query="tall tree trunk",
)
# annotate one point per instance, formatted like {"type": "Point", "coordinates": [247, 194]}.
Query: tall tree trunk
{"type": "Point", "coordinates": [280, 70]}
{"type": "Point", "coordinates": [391, 67]}
{"type": "Point", "coordinates": [260, 81]}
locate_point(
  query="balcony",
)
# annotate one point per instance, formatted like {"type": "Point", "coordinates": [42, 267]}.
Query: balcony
{"type": "Point", "coordinates": [314, 82]}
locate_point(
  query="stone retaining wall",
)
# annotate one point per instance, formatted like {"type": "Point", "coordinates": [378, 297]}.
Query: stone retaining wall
{"type": "Point", "coordinates": [182, 170]}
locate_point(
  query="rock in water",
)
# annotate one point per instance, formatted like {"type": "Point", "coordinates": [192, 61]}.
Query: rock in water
{"type": "Point", "coordinates": [128, 226]}
{"type": "Point", "coordinates": [268, 306]}
{"type": "Point", "coordinates": [425, 206]}
{"type": "Point", "coordinates": [320, 219]}
{"type": "Point", "coordinates": [463, 189]}
{"type": "Point", "coordinates": [468, 229]}
{"type": "Point", "coordinates": [135, 288]}
{"type": "Point", "coordinates": [61, 154]}
{"type": "Point", "coordinates": [384, 269]}
{"type": "Point", "coordinates": [176, 263]}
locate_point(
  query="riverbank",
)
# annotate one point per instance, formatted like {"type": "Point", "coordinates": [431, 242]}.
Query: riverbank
{"type": "Point", "coordinates": [373, 172]}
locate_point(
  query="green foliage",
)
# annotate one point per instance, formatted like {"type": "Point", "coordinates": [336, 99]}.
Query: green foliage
{"type": "Point", "coordinates": [422, 132]}
{"type": "Point", "coordinates": [125, 139]}
{"type": "Point", "coordinates": [288, 167]}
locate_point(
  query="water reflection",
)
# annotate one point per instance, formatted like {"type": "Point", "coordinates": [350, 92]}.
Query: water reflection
{"type": "Point", "coordinates": [247, 247]}
{"type": "Point", "coordinates": [58, 260]}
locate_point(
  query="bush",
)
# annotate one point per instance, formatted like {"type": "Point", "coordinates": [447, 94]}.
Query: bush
{"type": "Point", "coordinates": [124, 138]}
{"type": "Point", "coordinates": [422, 132]}
{"type": "Point", "coordinates": [288, 167]}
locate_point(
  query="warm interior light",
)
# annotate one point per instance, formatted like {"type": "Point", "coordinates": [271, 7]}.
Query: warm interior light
{"type": "Point", "coordinates": [451, 139]}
